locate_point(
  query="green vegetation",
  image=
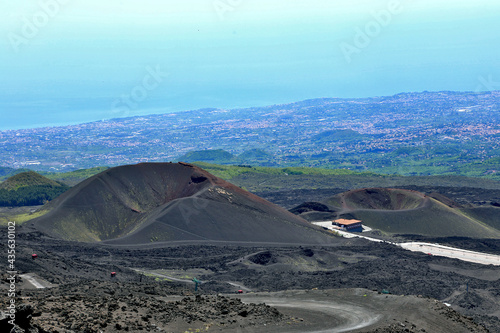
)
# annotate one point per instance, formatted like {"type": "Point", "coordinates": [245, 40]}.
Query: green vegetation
{"type": "Point", "coordinates": [74, 177]}
{"type": "Point", "coordinates": [487, 169]}
{"type": "Point", "coordinates": [433, 163]}
{"type": "Point", "coordinates": [19, 217]}
{"type": "Point", "coordinates": [26, 179]}
{"type": "Point", "coordinates": [438, 160]}
{"type": "Point", "coordinates": [209, 155]}
{"type": "Point", "coordinates": [255, 155]}
{"type": "Point", "coordinates": [30, 195]}
{"type": "Point", "coordinates": [9, 172]}
{"type": "Point", "coordinates": [228, 172]}
{"type": "Point", "coordinates": [259, 178]}
{"type": "Point", "coordinates": [29, 189]}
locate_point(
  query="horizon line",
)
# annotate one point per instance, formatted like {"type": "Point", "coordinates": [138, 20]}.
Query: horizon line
{"type": "Point", "coordinates": [48, 126]}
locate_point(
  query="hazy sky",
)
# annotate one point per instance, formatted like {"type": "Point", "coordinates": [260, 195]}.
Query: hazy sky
{"type": "Point", "coordinates": [70, 61]}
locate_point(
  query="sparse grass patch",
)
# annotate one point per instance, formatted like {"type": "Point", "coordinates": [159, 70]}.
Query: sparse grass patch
{"type": "Point", "coordinates": [20, 217]}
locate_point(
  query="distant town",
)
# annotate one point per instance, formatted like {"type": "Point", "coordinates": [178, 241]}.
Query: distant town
{"type": "Point", "coordinates": [410, 134]}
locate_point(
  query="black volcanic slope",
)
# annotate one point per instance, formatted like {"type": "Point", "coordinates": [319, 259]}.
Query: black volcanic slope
{"type": "Point", "coordinates": [406, 212]}
{"type": "Point", "coordinates": [165, 202]}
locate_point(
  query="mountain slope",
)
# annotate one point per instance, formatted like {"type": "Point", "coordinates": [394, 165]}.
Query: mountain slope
{"type": "Point", "coordinates": [29, 189]}
{"type": "Point", "coordinates": [8, 172]}
{"type": "Point", "coordinates": [400, 211]}
{"type": "Point", "coordinates": [160, 202]}
{"type": "Point", "coordinates": [28, 178]}
{"type": "Point", "coordinates": [434, 219]}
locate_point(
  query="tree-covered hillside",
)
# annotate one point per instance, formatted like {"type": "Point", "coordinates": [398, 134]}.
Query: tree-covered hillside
{"type": "Point", "coordinates": [29, 189]}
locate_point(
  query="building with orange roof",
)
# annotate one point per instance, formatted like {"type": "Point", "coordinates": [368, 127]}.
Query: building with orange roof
{"type": "Point", "coordinates": [349, 225]}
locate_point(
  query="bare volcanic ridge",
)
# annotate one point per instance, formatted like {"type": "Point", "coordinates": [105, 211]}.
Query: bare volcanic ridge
{"type": "Point", "coordinates": [166, 202]}
{"type": "Point", "coordinates": [402, 211]}
{"type": "Point", "coordinates": [379, 198]}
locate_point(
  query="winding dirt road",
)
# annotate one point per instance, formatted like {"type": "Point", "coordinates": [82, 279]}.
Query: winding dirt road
{"type": "Point", "coordinates": [353, 310]}
{"type": "Point", "coordinates": [337, 317]}
{"type": "Point", "coordinates": [318, 312]}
